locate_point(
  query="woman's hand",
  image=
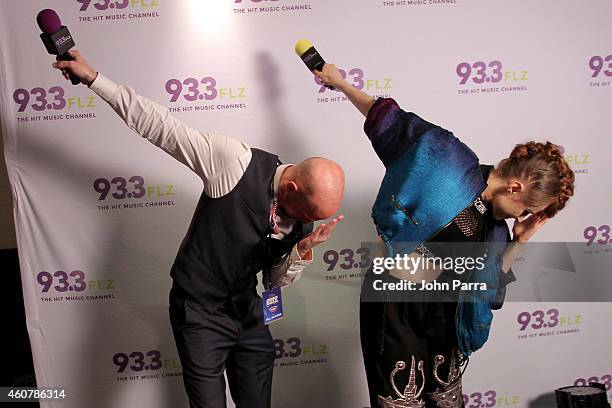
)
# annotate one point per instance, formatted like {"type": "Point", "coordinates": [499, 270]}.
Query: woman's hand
{"type": "Point", "coordinates": [330, 76]}
{"type": "Point", "coordinates": [522, 231]}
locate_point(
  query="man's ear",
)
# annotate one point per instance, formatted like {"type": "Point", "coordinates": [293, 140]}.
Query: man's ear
{"type": "Point", "coordinates": [292, 186]}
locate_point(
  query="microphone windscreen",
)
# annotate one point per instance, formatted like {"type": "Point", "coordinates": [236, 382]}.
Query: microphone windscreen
{"type": "Point", "coordinates": [302, 46]}
{"type": "Point", "coordinates": [48, 21]}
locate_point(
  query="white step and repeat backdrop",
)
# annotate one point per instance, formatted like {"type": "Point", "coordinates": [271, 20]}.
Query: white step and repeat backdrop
{"type": "Point", "coordinates": [95, 257]}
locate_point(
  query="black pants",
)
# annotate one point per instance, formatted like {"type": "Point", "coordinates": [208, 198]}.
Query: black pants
{"type": "Point", "coordinates": [395, 331]}
{"type": "Point", "coordinates": [210, 342]}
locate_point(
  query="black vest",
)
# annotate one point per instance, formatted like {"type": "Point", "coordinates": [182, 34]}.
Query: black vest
{"type": "Point", "coordinates": [228, 241]}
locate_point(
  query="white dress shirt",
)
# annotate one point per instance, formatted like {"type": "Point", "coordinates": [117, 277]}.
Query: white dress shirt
{"type": "Point", "coordinates": [220, 161]}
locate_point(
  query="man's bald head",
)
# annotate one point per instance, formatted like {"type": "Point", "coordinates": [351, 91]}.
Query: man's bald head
{"type": "Point", "coordinates": [312, 190]}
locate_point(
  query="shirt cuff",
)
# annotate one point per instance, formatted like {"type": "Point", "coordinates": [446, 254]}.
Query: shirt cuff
{"type": "Point", "coordinates": [307, 257]}
{"type": "Point", "coordinates": [291, 268]}
{"type": "Point", "coordinates": [296, 260]}
{"type": "Point", "coordinates": [104, 87]}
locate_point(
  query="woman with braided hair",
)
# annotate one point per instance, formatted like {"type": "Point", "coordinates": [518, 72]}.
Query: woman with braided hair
{"type": "Point", "coordinates": [436, 200]}
{"type": "Point", "coordinates": [546, 172]}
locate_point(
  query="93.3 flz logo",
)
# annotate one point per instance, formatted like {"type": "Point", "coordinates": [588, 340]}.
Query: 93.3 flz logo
{"type": "Point", "coordinates": [600, 68]}
{"type": "Point", "coordinates": [489, 399]}
{"type": "Point", "coordinates": [493, 76]}
{"type": "Point", "coordinates": [356, 76]}
{"type": "Point", "coordinates": [145, 365]}
{"type": "Point", "coordinates": [598, 239]}
{"type": "Point", "coordinates": [550, 322]}
{"type": "Point", "coordinates": [39, 104]}
{"type": "Point", "coordinates": [115, 193]}
{"type": "Point", "coordinates": [604, 379]}
{"type": "Point", "coordinates": [204, 94]}
{"type": "Point", "coordinates": [293, 352]}
{"type": "Point", "coordinates": [346, 263]}
{"type": "Point", "coordinates": [73, 286]}
{"type": "Point", "coordinates": [117, 10]}
{"type": "Point", "coordinates": [580, 162]}
{"type": "Point", "coordinates": [104, 5]}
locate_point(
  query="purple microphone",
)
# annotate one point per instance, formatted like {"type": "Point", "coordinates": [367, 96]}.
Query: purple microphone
{"type": "Point", "coordinates": [56, 38]}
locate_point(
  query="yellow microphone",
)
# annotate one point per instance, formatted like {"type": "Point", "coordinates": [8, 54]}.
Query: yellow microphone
{"type": "Point", "coordinates": [311, 57]}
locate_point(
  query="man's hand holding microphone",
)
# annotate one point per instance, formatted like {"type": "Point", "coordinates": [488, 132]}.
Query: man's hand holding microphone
{"type": "Point", "coordinates": [77, 67]}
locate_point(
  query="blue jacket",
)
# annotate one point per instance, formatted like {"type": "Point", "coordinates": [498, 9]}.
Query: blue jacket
{"type": "Point", "coordinates": [430, 177]}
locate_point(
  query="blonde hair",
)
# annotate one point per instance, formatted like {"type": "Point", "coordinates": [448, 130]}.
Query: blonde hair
{"type": "Point", "coordinates": [545, 171]}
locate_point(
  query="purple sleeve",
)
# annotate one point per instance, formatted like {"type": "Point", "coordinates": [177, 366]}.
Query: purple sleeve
{"type": "Point", "coordinates": [392, 130]}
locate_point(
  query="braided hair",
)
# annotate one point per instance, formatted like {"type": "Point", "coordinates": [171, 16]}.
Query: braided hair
{"type": "Point", "coordinates": [545, 172]}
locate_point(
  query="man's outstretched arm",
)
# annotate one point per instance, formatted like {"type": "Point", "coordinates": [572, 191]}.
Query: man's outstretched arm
{"type": "Point", "coordinates": [219, 160]}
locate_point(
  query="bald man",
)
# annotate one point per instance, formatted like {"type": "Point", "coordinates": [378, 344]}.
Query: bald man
{"type": "Point", "coordinates": [255, 214]}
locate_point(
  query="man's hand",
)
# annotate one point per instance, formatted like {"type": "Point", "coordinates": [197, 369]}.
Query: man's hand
{"type": "Point", "coordinates": [79, 67]}
{"type": "Point", "coordinates": [523, 230]}
{"type": "Point", "coordinates": [318, 236]}
{"type": "Point", "coordinates": [330, 76]}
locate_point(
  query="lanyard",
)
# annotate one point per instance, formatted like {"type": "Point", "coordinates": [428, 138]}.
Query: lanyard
{"type": "Point", "coordinates": [268, 238]}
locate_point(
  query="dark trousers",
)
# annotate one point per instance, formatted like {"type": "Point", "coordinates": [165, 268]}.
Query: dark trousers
{"type": "Point", "coordinates": [210, 342]}
{"type": "Point", "coordinates": [394, 331]}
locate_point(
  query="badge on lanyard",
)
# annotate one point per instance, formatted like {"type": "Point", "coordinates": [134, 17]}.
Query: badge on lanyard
{"type": "Point", "coordinates": [272, 305]}
{"type": "Point", "coordinates": [271, 298]}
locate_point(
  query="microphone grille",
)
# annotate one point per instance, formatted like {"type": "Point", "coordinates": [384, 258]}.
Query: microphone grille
{"type": "Point", "coordinates": [48, 21]}
{"type": "Point", "coordinates": [302, 46]}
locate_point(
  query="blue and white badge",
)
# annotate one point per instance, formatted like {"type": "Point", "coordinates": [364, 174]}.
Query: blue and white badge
{"type": "Point", "coordinates": [272, 305]}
